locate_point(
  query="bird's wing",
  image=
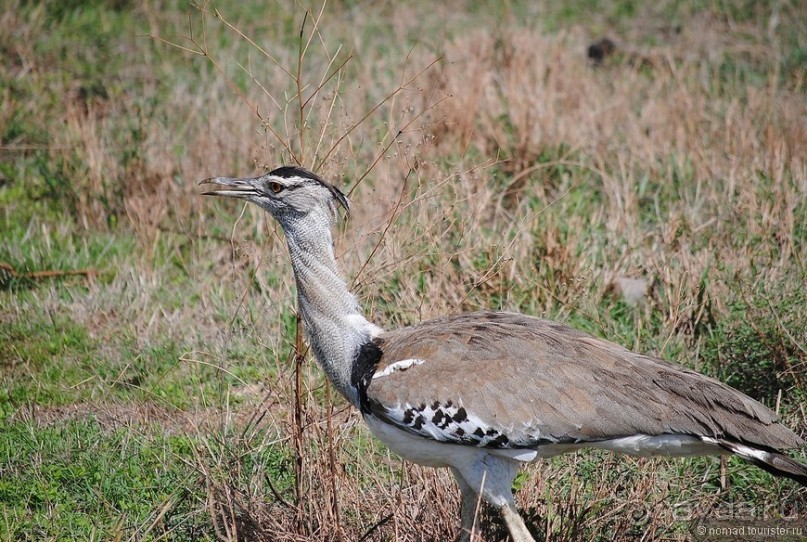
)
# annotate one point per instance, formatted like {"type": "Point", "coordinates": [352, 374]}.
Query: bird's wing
{"type": "Point", "coordinates": [504, 380]}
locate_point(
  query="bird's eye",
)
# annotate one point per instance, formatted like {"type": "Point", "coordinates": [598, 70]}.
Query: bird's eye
{"type": "Point", "coordinates": [276, 187]}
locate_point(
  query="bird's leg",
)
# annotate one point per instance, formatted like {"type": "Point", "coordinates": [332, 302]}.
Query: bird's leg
{"type": "Point", "coordinates": [516, 526]}
{"type": "Point", "coordinates": [469, 505]}
{"type": "Point", "coordinates": [492, 477]}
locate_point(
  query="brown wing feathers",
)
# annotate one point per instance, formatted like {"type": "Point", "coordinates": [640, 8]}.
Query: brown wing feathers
{"type": "Point", "coordinates": [527, 377]}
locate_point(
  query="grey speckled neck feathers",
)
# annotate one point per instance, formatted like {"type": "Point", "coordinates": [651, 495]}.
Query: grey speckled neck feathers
{"type": "Point", "coordinates": [334, 324]}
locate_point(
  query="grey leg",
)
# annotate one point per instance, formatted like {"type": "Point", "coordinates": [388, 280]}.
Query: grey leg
{"type": "Point", "coordinates": [518, 530]}
{"type": "Point", "coordinates": [469, 505]}
{"type": "Point", "coordinates": [492, 477]}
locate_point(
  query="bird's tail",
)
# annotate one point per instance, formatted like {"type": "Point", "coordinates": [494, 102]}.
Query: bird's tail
{"type": "Point", "coordinates": [774, 462]}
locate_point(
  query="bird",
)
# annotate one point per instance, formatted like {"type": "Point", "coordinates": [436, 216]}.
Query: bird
{"type": "Point", "coordinates": [482, 393]}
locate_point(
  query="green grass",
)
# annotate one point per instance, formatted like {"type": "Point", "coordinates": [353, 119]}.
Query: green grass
{"type": "Point", "coordinates": [55, 362]}
{"type": "Point", "coordinates": [78, 477]}
{"type": "Point", "coordinates": [758, 349]}
{"type": "Point", "coordinates": [533, 181]}
{"type": "Point", "coordinates": [75, 479]}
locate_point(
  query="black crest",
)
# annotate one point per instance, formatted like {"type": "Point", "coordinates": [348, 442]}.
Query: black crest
{"type": "Point", "coordinates": [295, 171]}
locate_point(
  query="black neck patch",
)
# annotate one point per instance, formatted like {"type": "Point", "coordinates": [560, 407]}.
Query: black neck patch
{"type": "Point", "coordinates": [364, 366]}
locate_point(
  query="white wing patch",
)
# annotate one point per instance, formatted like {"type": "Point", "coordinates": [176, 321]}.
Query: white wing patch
{"type": "Point", "coordinates": [669, 444]}
{"type": "Point", "coordinates": [746, 452]}
{"type": "Point", "coordinates": [397, 366]}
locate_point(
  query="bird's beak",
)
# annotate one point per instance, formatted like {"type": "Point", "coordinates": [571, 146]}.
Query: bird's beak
{"type": "Point", "coordinates": [229, 187]}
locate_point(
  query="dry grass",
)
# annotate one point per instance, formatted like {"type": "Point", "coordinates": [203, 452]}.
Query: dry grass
{"type": "Point", "coordinates": [490, 165]}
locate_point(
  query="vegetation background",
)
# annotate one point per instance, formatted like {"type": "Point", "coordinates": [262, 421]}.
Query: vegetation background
{"type": "Point", "coordinates": [152, 384]}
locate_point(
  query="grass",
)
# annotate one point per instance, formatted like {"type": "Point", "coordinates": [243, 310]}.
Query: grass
{"type": "Point", "coordinates": [77, 479]}
{"type": "Point", "coordinates": [152, 395]}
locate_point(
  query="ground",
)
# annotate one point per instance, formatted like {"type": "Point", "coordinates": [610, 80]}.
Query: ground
{"type": "Point", "coordinates": [651, 190]}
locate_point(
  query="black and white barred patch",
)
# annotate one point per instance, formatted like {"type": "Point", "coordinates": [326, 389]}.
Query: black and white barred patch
{"type": "Point", "coordinates": [448, 422]}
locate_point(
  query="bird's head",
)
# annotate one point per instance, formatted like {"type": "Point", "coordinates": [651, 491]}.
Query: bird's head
{"type": "Point", "coordinates": [289, 193]}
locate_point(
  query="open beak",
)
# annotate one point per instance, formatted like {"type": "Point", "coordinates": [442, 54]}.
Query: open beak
{"type": "Point", "coordinates": [229, 187]}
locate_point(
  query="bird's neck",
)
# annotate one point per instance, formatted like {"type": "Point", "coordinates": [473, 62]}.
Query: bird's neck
{"type": "Point", "coordinates": [334, 323]}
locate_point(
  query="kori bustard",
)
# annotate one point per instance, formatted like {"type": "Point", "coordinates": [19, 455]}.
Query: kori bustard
{"type": "Point", "coordinates": [482, 392]}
